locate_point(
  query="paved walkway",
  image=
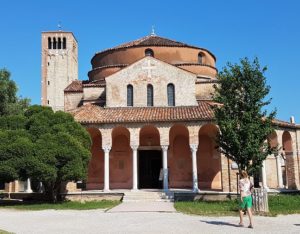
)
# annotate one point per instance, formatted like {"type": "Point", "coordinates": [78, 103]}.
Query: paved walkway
{"type": "Point", "coordinates": [98, 221]}
{"type": "Point", "coordinates": [143, 207]}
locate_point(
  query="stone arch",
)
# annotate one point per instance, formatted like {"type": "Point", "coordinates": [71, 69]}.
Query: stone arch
{"type": "Point", "coordinates": [179, 158]}
{"type": "Point", "coordinates": [64, 43]}
{"type": "Point", "coordinates": [95, 178]}
{"type": "Point", "coordinates": [287, 142]}
{"type": "Point", "coordinates": [208, 159]}
{"type": "Point", "coordinates": [49, 43]}
{"type": "Point", "coordinates": [271, 163]}
{"type": "Point", "coordinates": [149, 136]}
{"type": "Point", "coordinates": [149, 52]}
{"type": "Point", "coordinates": [273, 139]}
{"type": "Point", "coordinates": [200, 58]}
{"type": "Point", "coordinates": [149, 158]}
{"type": "Point", "coordinates": [120, 162]}
{"type": "Point", "coordinates": [59, 45]}
{"type": "Point", "coordinates": [171, 94]}
{"type": "Point", "coordinates": [288, 168]}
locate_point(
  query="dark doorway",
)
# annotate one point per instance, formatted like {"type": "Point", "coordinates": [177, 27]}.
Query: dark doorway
{"type": "Point", "coordinates": [2, 186]}
{"type": "Point", "coordinates": [150, 163]}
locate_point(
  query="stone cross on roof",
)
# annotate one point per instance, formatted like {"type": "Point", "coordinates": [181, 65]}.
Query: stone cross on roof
{"type": "Point", "coordinates": [149, 67]}
{"type": "Point", "coordinates": [153, 31]}
{"type": "Point", "coordinates": [59, 26]}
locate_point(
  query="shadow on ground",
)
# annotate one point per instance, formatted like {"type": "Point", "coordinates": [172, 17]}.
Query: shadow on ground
{"type": "Point", "coordinates": [220, 223]}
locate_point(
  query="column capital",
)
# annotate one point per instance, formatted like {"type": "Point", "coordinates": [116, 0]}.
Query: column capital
{"type": "Point", "coordinates": [106, 148]}
{"type": "Point", "coordinates": [134, 147]}
{"type": "Point", "coordinates": [165, 147]}
{"type": "Point", "coordinates": [194, 147]}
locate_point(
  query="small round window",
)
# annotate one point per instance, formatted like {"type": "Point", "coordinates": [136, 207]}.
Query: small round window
{"type": "Point", "coordinates": [149, 52]}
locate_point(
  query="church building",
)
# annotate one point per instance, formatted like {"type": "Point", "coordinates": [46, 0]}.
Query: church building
{"type": "Point", "coordinates": [147, 105]}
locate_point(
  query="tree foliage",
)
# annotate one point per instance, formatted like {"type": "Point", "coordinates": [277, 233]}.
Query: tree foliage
{"type": "Point", "coordinates": [45, 146]}
{"type": "Point", "coordinates": [10, 104]}
{"type": "Point", "coordinates": [244, 123]}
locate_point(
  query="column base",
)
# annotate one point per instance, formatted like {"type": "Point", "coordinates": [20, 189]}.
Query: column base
{"type": "Point", "coordinates": [28, 191]}
{"type": "Point", "coordinates": [106, 190]}
{"type": "Point", "coordinates": [134, 190]}
{"type": "Point", "coordinates": [267, 188]}
{"type": "Point", "coordinates": [196, 190]}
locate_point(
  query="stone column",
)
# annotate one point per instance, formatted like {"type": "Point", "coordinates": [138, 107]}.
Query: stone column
{"type": "Point", "coordinates": [106, 167]}
{"type": "Point", "coordinates": [194, 149]}
{"type": "Point", "coordinates": [264, 175]}
{"type": "Point", "coordinates": [134, 167]}
{"type": "Point", "coordinates": [165, 167]}
{"type": "Point", "coordinates": [28, 186]}
{"type": "Point", "coordinates": [279, 171]}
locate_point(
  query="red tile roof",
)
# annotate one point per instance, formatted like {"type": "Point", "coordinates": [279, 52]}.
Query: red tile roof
{"type": "Point", "coordinates": [75, 86]}
{"type": "Point", "coordinates": [94, 114]}
{"type": "Point", "coordinates": [153, 40]}
{"type": "Point", "coordinates": [281, 123]}
{"type": "Point", "coordinates": [90, 113]}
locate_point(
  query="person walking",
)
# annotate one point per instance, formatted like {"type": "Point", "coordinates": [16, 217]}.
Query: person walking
{"type": "Point", "coordinates": [245, 187]}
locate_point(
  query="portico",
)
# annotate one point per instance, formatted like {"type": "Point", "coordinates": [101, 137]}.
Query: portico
{"type": "Point", "coordinates": [134, 155]}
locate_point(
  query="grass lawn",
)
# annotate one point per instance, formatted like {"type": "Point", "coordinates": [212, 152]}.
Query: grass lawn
{"type": "Point", "coordinates": [4, 232]}
{"type": "Point", "coordinates": [207, 208]}
{"type": "Point", "coordinates": [284, 204]}
{"type": "Point", "coordinates": [69, 205]}
{"type": "Point", "coordinates": [278, 204]}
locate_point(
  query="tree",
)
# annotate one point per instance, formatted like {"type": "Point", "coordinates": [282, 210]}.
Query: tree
{"type": "Point", "coordinates": [243, 122]}
{"type": "Point", "coordinates": [15, 148]}
{"type": "Point", "coordinates": [10, 104]}
{"type": "Point", "coordinates": [62, 149]}
{"type": "Point", "coordinates": [45, 146]}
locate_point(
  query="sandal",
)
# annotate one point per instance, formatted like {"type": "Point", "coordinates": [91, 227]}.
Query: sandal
{"type": "Point", "coordinates": [250, 226]}
{"type": "Point", "coordinates": [241, 225]}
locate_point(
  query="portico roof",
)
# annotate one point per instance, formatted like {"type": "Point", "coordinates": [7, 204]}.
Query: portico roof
{"type": "Point", "coordinates": [95, 114]}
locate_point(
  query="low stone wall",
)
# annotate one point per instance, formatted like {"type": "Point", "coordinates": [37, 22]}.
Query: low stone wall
{"type": "Point", "coordinates": [24, 196]}
{"type": "Point", "coordinates": [93, 196]}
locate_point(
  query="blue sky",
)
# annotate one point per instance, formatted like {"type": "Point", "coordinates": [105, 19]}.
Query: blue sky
{"type": "Point", "coordinates": [230, 29]}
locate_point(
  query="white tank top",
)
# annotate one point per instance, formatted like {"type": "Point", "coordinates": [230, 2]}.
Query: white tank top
{"type": "Point", "coordinates": [245, 186]}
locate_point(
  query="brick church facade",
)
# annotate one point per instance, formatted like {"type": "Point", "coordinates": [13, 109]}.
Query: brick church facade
{"type": "Point", "coordinates": [147, 105]}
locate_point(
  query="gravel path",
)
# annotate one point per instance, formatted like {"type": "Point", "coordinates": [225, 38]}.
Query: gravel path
{"type": "Point", "coordinates": [140, 206]}
{"type": "Point", "coordinates": [98, 221]}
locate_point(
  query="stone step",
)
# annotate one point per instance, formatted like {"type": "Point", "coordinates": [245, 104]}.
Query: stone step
{"type": "Point", "coordinates": [135, 196]}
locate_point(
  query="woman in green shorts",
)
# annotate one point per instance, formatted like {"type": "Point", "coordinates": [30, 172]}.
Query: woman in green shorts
{"type": "Point", "coordinates": [246, 198]}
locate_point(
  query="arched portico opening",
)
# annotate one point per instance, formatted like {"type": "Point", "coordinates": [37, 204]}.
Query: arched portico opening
{"type": "Point", "coordinates": [179, 158]}
{"type": "Point", "coordinates": [95, 179]}
{"type": "Point", "coordinates": [120, 162]}
{"type": "Point", "coordinates": [271, 163]}
{"type": "Point", "coordinates": [149, 158]}
{"type": "Point", "coordinates": [208, 159]}
{"type": "Point", "coordinates": [288, 162]}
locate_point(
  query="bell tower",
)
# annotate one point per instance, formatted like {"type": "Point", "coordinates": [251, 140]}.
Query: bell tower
{"type": "Point", "coordinates": [59, 66]}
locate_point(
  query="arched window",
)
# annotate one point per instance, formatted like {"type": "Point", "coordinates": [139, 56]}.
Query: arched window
{"type": "Point", "coordinates": [129, 95]}
{"type": "Point", "coordinates": [59, 43]}
{"type": "Point", "coordinates": [149, 95]}
{"type": "Point", "coordinates": [64, 43]}
{"type": "Point", "coordinates": [149, 52]}
{"type": "Point", "coordinates": [200, 58]}
{"type": "Point", "coordinates": [171, 95]}
{"type": "Point", "coordinates": [49, 43]}
{"type": "Point", "coordinates": [54, 43]}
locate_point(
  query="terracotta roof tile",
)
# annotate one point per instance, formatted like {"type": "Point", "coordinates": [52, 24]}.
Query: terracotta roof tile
{"type": "Point", "coordinates": [153, 40]}
{"type": "Point", "coordinates": [284, 123]}
{"type": "Point", "coordinates": [75, 86]}
{"type": "Point", "coordinates": [90, 113]}
{"type": "Point", "coordinates": [96, 114]}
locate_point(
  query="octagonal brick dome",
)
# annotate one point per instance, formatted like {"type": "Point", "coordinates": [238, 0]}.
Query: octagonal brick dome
{"type": "Point", "coordinates": [197, 60]}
